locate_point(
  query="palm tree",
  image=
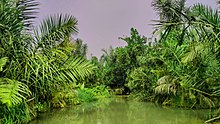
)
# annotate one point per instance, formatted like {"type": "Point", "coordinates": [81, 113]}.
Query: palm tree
{"type": "Point", "coordinates": [55, 30]}
{"type": "Point", "coordinates": [198, 22]}
{"type": "Point", "coordinates": [170, 9]}
{"type": "Point", "coordinates": [173, 16]}
{"type": "Point", "coordinates": [198, 77]}
{"type": "Point", "coordinates": [40, 62]}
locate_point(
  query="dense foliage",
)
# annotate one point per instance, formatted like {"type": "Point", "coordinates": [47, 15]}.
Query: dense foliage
{"type": "Point", "coordinates": [180, 67]}
{"type": "Point", "coordinates": [121, 61]}
{"type": "Point", "coordinates": [42, 67]}
{"type": "Point", "coordinates": [37, 64]}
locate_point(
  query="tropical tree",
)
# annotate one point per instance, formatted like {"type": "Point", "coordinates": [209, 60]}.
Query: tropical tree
{"type": "Point", "coordinates": [197, 22]}
{"type": "Point", "coordinates": [81, 49]}
{"type": "Point", "coordinates": [174, 15]}
{"type": "Point", "coordinates": [197, 81]}
{"type": "Point", "coordinates": [118, 63]}
{"type": "Point", "coordinates": [197, 32]}
{"type": "Point", "coordinates": [41, 58]}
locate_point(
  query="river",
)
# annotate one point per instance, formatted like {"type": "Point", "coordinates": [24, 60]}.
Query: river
{"type": "Point", "coordinates": [121, 111]}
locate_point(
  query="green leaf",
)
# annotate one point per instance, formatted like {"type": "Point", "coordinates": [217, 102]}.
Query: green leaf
{"type": "Point", "coordinates": [54, 29]}
{"type": "Point", "coordinates": [189, 56]}
{"type": "Point", "coordinates": [12, 92]}
{"type": "Point", "coordinates": [3, 62]}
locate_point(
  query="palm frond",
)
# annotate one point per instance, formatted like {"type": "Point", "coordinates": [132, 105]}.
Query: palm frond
{"type": "Point", "coordinates": [170, 9]}
{"type": "Point", "coordinates": [193, 53]}
{"type": "Point", "coordinates": [189, 56]}
{"type": "Point", "coordinates": [173, 16]}
{"type": "Point", "coordinates": [207, 22]}
{"type": "Point", "coordinates": [3, 62]}
{"type": "Point", "coordinates": [54, 29]}
{"type": "Point", "coordinates": [76, 68]}
{"type": "Point", "coordinates": [47, 70]}
{"type": "Point", "coordinates": [12, 92]}
{"type": "Point", "coordinates": [206, 14]}
{"type": "Point", "coordinates": [10, 22]}
{"type": "Point", "coordinates": [28, 9]}
{"type": "Point", "coordinates": [15, 15]}
{"type": "Point", "coordinates": [166, 85]}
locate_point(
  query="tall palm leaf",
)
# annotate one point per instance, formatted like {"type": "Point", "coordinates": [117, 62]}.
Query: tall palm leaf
{"type": "Point", "coordinates": [207, 22]}
{"type": "Point", "coordinates": [169, 9]}
{"type": "Point", "coordinates": [45, 71]}
{"type": "Point", "coordinates": [199, 19]}
{"type": "Point", "coordinates": [76, 68]}
{"type": "Point", "coordinates": [15, 20]}
{"type": "Point", "coordinates": [12, 92]}
{"type": "Point", "coordinates": [173, 15]}
{"type": "Point", "coordinates": [15, 15]}
{"type": "Point", "coordinates": [54, 30]}
{"type": "Point", "coordinates": [28, 9]}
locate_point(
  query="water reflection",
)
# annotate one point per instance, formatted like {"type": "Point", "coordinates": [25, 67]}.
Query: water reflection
{"type": "Point", "coordinates": [120, 111]}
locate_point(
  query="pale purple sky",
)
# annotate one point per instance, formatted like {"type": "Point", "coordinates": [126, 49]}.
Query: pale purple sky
{"type": "Point", "coordinates": [101, 22]}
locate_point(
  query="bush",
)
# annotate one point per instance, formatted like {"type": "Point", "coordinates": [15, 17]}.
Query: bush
{"type": "Point", "coordinates": [86, 95]}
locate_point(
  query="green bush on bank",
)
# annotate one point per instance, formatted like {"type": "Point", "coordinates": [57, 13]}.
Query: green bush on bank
{"type": "Point", "coordinates": [78, 95]}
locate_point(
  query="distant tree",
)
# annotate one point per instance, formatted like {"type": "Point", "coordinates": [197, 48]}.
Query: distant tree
{"type": "Point", "coordinates": [121, 60]}
{"type": "Point", "coordinates": [80, 48]}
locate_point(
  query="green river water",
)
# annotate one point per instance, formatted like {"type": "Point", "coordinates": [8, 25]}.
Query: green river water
{"type": "Point", "coordinates": [121, 111]}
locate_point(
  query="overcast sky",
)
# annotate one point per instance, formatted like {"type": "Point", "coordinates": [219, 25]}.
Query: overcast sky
{"type": "Point", "coordinates": [101, 22]}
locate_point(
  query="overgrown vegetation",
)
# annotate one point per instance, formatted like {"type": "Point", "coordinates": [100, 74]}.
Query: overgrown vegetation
{"type": "Point", "coordinates": [39, 67]}
{"type": "Point", "coordinates": [180, 67]}
{"type": "Point", "coordinates": [43, 67]}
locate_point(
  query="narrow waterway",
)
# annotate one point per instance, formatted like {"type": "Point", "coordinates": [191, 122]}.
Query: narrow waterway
{"type": "Point", "coordinates": [121, 111]}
